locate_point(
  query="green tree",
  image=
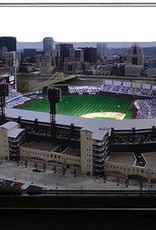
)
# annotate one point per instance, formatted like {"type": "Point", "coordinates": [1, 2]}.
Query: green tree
{"type": "Point", "coordinates": [118, 180]}
{"type": "Point", "coordinates": [141, 185]}
{"type": "Point", "coordinates": [75, 173]}
{"type": "Point", "coordinates": [36, 165]}
{"type": "Point", "coordinates": [104, 178]}
{"type": "Point", "coordinates": [26, 164]}
{"type": "Point", "coordinates": [126, 182]}
{"type": "Point", "coordinates": [63, 170]}
{"type": "Point", "coordinates": [54, 168]}
{"type": "Point", "coordinates": [44, 167]}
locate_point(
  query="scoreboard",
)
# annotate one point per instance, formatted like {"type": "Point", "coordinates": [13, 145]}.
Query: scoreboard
{"type": "Point", "coordinates": [8, 79]}
{"type": "Point", "coordinates": [11, 80]}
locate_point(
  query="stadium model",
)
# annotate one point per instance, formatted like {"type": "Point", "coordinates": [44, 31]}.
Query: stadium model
{"type": "Point", "coordinates": [122, 148]}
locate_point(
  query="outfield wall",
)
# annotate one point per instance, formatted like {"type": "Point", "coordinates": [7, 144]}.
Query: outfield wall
{"type": "Point", "coordinates": [138, 85]}
{"type": "Point", "coordinates": [123, 95]}
{"type": "Point", "coordinates": [110, 94]}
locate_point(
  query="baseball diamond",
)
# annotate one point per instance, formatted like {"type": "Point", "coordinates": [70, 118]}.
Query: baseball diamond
{"type": "Point", "coordinates": [89, 106]}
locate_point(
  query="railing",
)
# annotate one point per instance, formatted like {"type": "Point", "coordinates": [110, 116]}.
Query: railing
{"type": "Point", "coordinates": [99, 160]}
{"type": "Point", "coordinates": [99, 154]}
{"type": "Point", "coordinates": [98, 165]}
{"type": "Point", "coordinates": [98, 170]}
{"type": "Point", "coordinates": [99, 149]}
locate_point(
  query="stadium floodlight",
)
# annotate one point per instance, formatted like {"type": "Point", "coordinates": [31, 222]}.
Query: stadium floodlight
{"type": "Point", "coordinates": [15, 64]}
{"type": "Point", "coordinates": [54, 96]}
{"type": "Point", "coordinates": [4, 91]}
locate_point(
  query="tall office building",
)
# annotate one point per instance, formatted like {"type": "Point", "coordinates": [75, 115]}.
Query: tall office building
{"type": "Point", "coordinates": [135, 55]}
{"type": "Point", "coordinates": [29, 54]}
{"type": "Point", "coordinates": [76, 55]}
{"type": "Point", "coordinates": [46, 63]}
{"type": "Point", "coordinates": [64, 51]}
{"type": "Point", "coordinates": [9, 43]}
{"type": "Point", "coordinates": [135, 61]}
{"type": "Point", "coordinates": [90, 54]}
{"type": "Point", "coordinates": [48, 44]}
{"type": "Point", "coordinates": [101, 50]}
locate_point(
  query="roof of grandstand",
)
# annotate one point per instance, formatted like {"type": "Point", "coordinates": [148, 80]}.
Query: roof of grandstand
{"type": "Point", "coordinates": [14, 133]}
{"type": "Point", "coordinates": [9, 125]}
{"type": "Point", "coordinates": [98, 127]}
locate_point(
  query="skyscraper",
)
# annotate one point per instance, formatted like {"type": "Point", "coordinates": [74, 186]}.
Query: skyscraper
{"type": "Point", "coordinates": [135, 61]}
{"type": "Point", "coordinates": [135, 55]}
{"type": "Point", "coordinates": [48, 44]}
{"type": "Point", "coordinates": [101, 50]}
{"type": "Point", "coordinates": [90, 54]}
{"type": "Point", "coordinates": [64, 51]}
{"type": "Point", "coordinates": [76, 55]}
{"type": "Point", "coordinates": [9, 43]}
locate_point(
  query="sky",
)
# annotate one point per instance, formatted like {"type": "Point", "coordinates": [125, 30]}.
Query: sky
{"type": "Point", "coordinates": [78, 24]}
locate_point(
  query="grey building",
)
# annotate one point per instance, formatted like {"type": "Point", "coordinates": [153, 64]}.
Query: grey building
{"type": "Point", "coordinates": [76, 55]}
{"type": "Point", "coordinates": [29, 53]}
{"type": "Point", "coordinates": [8, 57]}
{"type": "Point", "coordinates": [64, 51]}
{"type": "Point", "coordinates": [48, 62]}
{"type": "Point", "coordinates": [135, 61]}
{"type": "Point", "coordinates": [45, 64]}
{"type": "Point", "coordinates": [135, 55]}
{"type": "Point", "coordinates": [72, 67]}
{"type": "Point", "coordinates": [101, 50]}
{"type": "Point", "coordinates": [48, 44]}
{"type": "Point", "coordinates": [90, 54]}
{"type": "Point", "coordinates": [9, 43]}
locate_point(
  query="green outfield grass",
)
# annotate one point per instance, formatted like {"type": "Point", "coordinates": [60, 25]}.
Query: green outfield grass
{"type": "Point", "coordinates": [81, 105]}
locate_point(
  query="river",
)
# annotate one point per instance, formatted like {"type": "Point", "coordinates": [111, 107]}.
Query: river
{"type": "Point", "coordinates": [33, 79]}
{"type": "Point", "coordinates": [73, 82]}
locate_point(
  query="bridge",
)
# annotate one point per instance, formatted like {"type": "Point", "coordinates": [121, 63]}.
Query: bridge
{"type": "Point", "coordinates": [55, 78]}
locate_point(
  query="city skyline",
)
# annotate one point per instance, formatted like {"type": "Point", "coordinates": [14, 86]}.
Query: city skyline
{"type": "Point", "coordinates": [39, 45]}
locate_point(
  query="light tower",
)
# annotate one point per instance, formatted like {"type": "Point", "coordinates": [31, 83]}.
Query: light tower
{"type": "Point", "coordinates": [14, 66]}
{"type": "Point", "coordinates": [4, 91]}
{"type": "Point", "coordinates": [54, 96]}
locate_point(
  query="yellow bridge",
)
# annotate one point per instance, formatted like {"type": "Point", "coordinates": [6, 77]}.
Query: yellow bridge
{"type": "Point", "coordinates": [57, 77]}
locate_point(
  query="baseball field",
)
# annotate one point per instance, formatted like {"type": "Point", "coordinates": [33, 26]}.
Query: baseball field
{"type": "Point", "coordinates": [89, 106]}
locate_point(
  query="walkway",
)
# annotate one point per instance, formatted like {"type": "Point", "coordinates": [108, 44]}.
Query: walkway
{"type": "Point", "coordinates": [53, 181]}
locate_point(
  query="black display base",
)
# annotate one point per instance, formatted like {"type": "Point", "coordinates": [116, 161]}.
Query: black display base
{"type": "Point", "coordinates": [43, 219]}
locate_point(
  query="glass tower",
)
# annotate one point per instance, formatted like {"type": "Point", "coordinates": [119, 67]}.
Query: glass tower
{"type": "Point", "coordinates": [48, 44]}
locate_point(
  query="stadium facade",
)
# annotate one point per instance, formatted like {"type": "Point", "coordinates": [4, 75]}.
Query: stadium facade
{"type": "Point", "coordinates": [123, 148]}
{"type": "Point", "coordinates": [93, 147]}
